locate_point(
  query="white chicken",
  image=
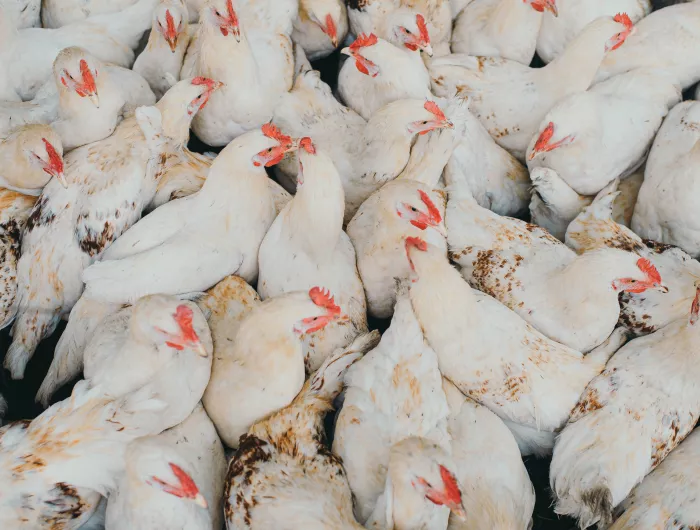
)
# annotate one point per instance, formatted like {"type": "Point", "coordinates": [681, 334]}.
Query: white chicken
{"type": "Point", "coordinates": [374, 16]}
{"type": "Point", "coordinates": [70, 226]}
{"type": "Point", "coordinates": [498, 493]}
{"type": "Point", "coordinates": [511, 99]}
{"type": "Point", "coordinates": [84, 101]}
{"type": "Point", "coordinates": [493, 356]}
{"type": "Point", "coordinates": [306, 246]}
{"type": "Point", "coordinates": [26, 13]}
{"type": "Point", "coordinates": [526, 270]}
{"type": "Point", "coordinates": [393, 393]}
{"type": "Point", "coordinates": [29, 158]}
{"type": "Point", "coordinates": [320, 27]}
{"type": "Point", "coordinates": [258, 373]}
{"type": "Point", "coordinates": [660, 41]}
{"type": "Point", "coordinates": [161, 62]}
{"type": "Point", "coordinates": [500, 28]}
{"type": "Point", "coordinates": [55, 467]}
{"type": "Point", "coordinates": [283, 474]}
{"type": "Point", "coordinates": [557, 31]}
{"type": "Point", "coordinates": [378, 73]}
{"type": "Point", "coordinates": [494, 177]}
{"type": "Point", "coordinates": [627, 421]}
{"type": "Point", "coordinates": [666, 209]}
{"type": "Point", "coordinates": [26, 56]}
{"type": "Point", "coordinates": [406, 206]}
{"type": "Point", "coordinates": [651, 310]}
{"type": "Point", "coordinates": [243, 43]}
{"type": "Point", "coordinates": [593, 137]}
{"type": "Point", "coordinates": [175, 478]}
{"type": "Point", "coordinates": [667, 497]}
{"type": "Point", "coordinates": [220, 227]}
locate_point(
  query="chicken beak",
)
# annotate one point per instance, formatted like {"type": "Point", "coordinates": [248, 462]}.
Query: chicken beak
{"type": "Point", "coordinates": [459, 511]}
{"type": "Point", "coordinates": [346, 51]}
{"type": "Point", "coordinates": [552, 8]}
{"type": "Point", "coordinates": [62, 179]}
{"type": "Point", "coordinates": [428, 48]}
{"type": "Point", "coordinates": [172, 42]}
{"type": "Point", "coordinates": [532, 155]}
{"type": "Point", "coordinates": [201, 351]}
{"type": "Point", "coordinates": [440, 229]}
{"type": "Point", "coordinates": [199, 500]}
{"type": "Point", "coordinates": [94, 99]}
{"type": "Point", "coordinates": [662, 288]}
{"type": "Point", "coordinates": [447, 124]}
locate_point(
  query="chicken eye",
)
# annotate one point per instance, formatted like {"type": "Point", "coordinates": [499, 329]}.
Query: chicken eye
{"type": "Point", "coordinates": [413, 209]}
{"type": "Point", "coordinates": [425, 123]}
{"type": "Point", "coordinates": [269, 149]}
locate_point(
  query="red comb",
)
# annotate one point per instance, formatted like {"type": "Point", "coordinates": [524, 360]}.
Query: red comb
{"type": "Point", "coordinates": [623, 18]}
{"type": "Point", "coordinates": [423, 29]}
{"type": "Point", "coordinates": [433, 212]}
{"type": "Point", "coordinates": [545, 136]}
{"type": "Point", "coordinates": [416, 242]}
{"type": "Point", "coordinates": [170, 23]}
{"type": "Point", "coordinates": [648, 268]}
{"type": "Point", "coordinates": [363, 41]}
{"type": "Point", "coordinates": [272, 131]}
{"type": "Point", "coordinates": [88, 80]}
{"type": "Point", "coordinates": [322, 298]}
{"type": "Point", "coordinates": [307, 145]}
{"type": "Point", "coordinates": [433, 108]}
{"type": "Point", "coordinates": [189, 488]}
{"type": "Point", "coordinates": [183, 317]}
{"type": "Point", "coordinates": [452, 493]}
{"type": "Point", "coordinates": [55, 160]}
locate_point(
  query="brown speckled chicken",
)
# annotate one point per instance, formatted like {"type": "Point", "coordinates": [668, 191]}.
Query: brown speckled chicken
{"type": "Point", "coordinates": [283, 474]}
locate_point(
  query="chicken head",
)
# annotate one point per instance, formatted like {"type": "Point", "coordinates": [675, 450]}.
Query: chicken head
{"type": "Point", "coordinates": [281, 145]}
{"type": "Point", "coordinates": [421, 213]}
{"type": "Point", "coordinates": [168, 477]}
{"type": "Point", "coordinates": [78, 73]}
{"type": "Point", "coordinates": [545, 144]}
{"type": "Point", "coordinates": [649, 278]}
{"type": "Point", "coordinates": [326, 15]}
{"type": "Point", "coordinates": [619, 38]}
{"type": "Point", "coordinates": [223, 15]}
{"type": "Point", "coordinates": [43, 151]}
{"type": "Point", "coordinates": [170, 21]}
{"type": "Point", "coordinates": [434, 119]}
{"type": "Point", "coordinates": [542, 5]}
{"type": "Point", "coordinates": [356, 49]}
{"type": "Point", "coordinates": [323, 299]}
{"type": "Point", "coordinates": [411, 31]}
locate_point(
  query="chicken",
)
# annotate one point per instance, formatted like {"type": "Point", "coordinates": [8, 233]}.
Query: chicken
{"type": "Point", "coordinates": [659, 42]}
{"type": "Point", "coordinates": [358, 149]}
{"type": "Point", "coordinates": [511, 99]}
{"type": "Point", "coordinates": [259, 373]}
{"type": "Point", "coordinates": [160, 63]}
{"type": "Point", "coordinates": [26, 56]}
{"type": "Point", "coordinates": [69, 227]}
{"type": "Point", "coordinates": [306, 246]}
{"type": "Point", "coordinates": [393, 393]}
{"type": "Point", "coordinates": [26, 13]}
{"type": "Point", "coordinates": [406, 206]}
{"type": "Point", "coordinates": [627, 421]}
{"type": "Point", "coordinates": [374, 16]}
{"type": "Point", "coordinates": [378, 72]}
{"type": "Point", "coordinates": [320, 27]}
{"type": "Point", "coordinates": [421, 488]}
{"type": "Point", "coordinates": [651, 310]}
{"type": "Point", "coordinates": [496, 179]}
{"type": "Point", "coordinates": [498, 493]}
{"type": "Point", "coordinates": [593, 137]}
{"type": "Point", "coordinates": [557, 31]}
{"type": "Point", "coordinates": [283, 475]}
{"type": "Point", "coordinates": [236, 208]}
{"type": "Point", "coordinates": [493, 356]}
{"type": "Point", "coordinates": [57, 13]}
{"type": "Point", "coordinates": [527, 271]}
{"type": "Point", "coordinates": [667, 497]}
{"type": "Point", "coordinates": [501, 28]}
{"type": "Point", "coordinates": [666, 209]}
{"type": "Point", "coordinates": [175, 478]}
{"type": "Point", "coordinates": [55, 467]}
{"type": "Point", "coordinates": [247, 46]}
{"type": "Point", "coordinates": [30, 157]}
{"type": "Point", "coordinates": [84, 101]}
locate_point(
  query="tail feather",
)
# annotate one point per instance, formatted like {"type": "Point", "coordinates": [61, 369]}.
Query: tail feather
{"type": "Point", "coordinates": [556, 193]}
{"type": "Point", "coordinates": [67, 362]}
{"type": "Point", "coordinates": [29, 329]}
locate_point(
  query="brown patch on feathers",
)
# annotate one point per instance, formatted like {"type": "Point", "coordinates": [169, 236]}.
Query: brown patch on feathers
{"type": "Point", "coordinates": [41, 215]}
{"type": "Point", "coordinates": [66, 507]}
{"type": "Point", "coordinates": [589, 402]}
{"type": "Point", "coordinates": [671, 432]}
